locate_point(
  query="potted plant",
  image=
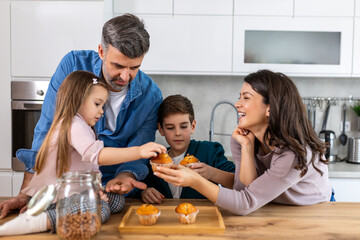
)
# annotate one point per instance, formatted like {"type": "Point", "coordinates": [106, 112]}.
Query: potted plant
{"type": "Point", "coordinates": [356, 109]}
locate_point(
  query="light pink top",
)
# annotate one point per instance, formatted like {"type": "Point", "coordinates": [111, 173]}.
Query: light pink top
{"type": "Point", "coordinates": [84, 151]}
{"type": "Point", "coordinates": [278, 182]}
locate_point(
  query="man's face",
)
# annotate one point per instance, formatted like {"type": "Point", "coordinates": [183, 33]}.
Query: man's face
{"type": "Point", "coordinates": [118, 69]}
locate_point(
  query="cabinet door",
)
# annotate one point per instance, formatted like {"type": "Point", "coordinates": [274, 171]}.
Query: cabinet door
{"type": "Point", "coordinates": [143, 6]}
{"type": "Point", "coordinates": [189, 44]}
{"type": "Point", "coordinates": [264, 7]}
{"type": "Point", "coordinates": [42, 32]}
{"type": "Point", "coordinates": [356, 58]}
{"type": "Point", "coordinates": [5, 120]}
{"type": "Point", "coordinates": [327, 8]}
{"type": "Point", "coordinates": [207, 7]}
{"type": "Point", "coordinates": [306, 47]}
{"type": "Point", "coordinates": [6, 183]}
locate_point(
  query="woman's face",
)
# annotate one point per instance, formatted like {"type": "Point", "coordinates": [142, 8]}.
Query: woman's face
{"type": "Point", "coordinates": [253, 113]}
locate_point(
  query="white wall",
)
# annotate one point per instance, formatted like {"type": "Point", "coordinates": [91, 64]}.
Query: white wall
{"type": "Point", "coordinates": [205, 91]}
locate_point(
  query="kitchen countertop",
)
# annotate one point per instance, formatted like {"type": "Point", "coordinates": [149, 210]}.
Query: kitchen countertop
{"type": "Point", "coordinates": [328, 220]}
{"type": "Point", "coordinates": [344, 170]}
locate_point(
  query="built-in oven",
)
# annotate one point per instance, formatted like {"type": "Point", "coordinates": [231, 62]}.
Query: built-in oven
{"type": "Point", "coordinates": [26, 101]}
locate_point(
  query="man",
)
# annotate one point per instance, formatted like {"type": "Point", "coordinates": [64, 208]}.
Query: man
{"type": "Point", "coordinates": [130, 117]}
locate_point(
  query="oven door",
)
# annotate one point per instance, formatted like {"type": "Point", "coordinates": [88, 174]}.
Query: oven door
{"type": "Point", "coordinates": [25, 115]}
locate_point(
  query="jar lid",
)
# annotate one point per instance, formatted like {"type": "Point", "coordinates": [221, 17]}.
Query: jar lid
{"type": "Point", "coordinates": [41, 200]}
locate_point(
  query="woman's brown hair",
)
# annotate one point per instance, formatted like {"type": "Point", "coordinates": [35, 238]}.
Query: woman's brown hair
{"type": "Point", "coordinates": [289, 126]}
{"type": "Point", "coordinates": [72, 93]}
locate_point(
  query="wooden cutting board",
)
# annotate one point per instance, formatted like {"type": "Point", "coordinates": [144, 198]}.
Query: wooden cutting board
{"type": "Point", "coordinates": [208, 220]}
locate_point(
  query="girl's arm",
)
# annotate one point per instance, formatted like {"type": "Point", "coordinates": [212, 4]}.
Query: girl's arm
{"type": "Point", "coordinates": [111, 156]}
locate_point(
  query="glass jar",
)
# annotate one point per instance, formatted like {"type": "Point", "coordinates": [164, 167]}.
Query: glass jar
{"type": "Point", "coordinates": [78, 208]}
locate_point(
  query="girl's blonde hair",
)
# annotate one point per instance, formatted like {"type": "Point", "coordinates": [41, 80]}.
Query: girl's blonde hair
{"type": "Point", "coordinates": [71, 95]}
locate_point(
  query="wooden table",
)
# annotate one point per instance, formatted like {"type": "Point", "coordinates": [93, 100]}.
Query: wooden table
{"type": "Point", "coordinates": [339, 220]}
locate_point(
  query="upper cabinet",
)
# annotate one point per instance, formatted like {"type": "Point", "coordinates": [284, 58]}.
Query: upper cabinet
{"type": "Point", "coordinates": [264, 8]}
{"type": "Point", "coordinates": [303, 46]}
{"type": "Point", "coordinates": [324, 8]}
{"type": "Point", "coordinates": [203, 46]}
{"type": "Point", "coordinates": [143, 6]}
{"type": "Point", "coordinates": [42, 32]}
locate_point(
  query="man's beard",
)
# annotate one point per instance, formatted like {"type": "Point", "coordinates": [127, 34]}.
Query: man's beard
{"type": "Point", "coordinates": [111, 81]}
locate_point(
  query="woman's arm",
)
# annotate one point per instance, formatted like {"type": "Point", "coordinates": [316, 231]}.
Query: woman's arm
{"type": "Point", "coordinates": [182, 176]}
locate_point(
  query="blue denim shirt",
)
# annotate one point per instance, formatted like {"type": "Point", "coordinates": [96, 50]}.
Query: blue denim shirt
{"type": "Point", "coordinates": [136, 122]}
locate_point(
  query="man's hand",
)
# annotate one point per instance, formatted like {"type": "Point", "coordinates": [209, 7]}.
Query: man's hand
{"type": "Point", "coordinates": [124, 183]}
{"type": "Point", "coordinates": [19, 202]}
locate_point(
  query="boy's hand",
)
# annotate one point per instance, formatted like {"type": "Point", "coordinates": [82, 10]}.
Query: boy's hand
{"type": "Point", "coordinates": [151, 195]}
{"type": "Point", "coordinates": [151, 149]}
{"type": "Point", "coordinates": [203, 169]}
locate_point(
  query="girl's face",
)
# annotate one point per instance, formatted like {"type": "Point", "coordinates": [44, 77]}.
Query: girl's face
{"type": "Point", "coordinates": [92, 108]}
{"type": "Point", "coordinates": [253, 113]}
{"type": "Point", "coordinates": [177, 130]}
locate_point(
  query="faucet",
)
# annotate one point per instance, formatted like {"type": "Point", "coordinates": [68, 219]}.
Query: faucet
{"type": "Point", "coordinates": [212, 119]}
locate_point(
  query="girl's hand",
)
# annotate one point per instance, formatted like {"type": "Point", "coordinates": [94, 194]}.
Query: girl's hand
{"type": "Point", "coordinates": [151, 195]}
{"type": "Point", "coordinates": [203, 169]}
{"type": "Point", "coordinates": [177, 175]}
{"type": "Point", "coordinates": [243, 136]}
{"type": "Point", "coordinates": [103, 196]}
{"type": "Point", "coordinates": [151, 149]}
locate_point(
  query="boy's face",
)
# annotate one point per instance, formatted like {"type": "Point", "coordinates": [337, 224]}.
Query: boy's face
{"type": "Point", "coordinates": [177, 130]}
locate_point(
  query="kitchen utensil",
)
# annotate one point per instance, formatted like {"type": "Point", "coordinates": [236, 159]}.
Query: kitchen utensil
{"type": "Point", "coordinates": [343, 137]}
{"type": "Point", "coordinates": [353, 150]}
{"type": "Point", "coordinates": [326, 117]}
{"type": "Point", "coordinates": [314, 115]}
{"type": "Point", "coordinates": [328, 137]}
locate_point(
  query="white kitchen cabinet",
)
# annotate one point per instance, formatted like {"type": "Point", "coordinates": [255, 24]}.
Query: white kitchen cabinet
{"type": "Point", "coordinates": [357, 8]}
{"type": "Point", "coordinates": [346, 189]}
{"type": "Point", "coordinates": [6, 183]}
{"type": "Point", "coordinates": [42, 32]}
{"type": "Point", "coordinates": [356, 57]}
{"type": "Point", "coordinates": [189, 44]}
{"type": "Point", "coordinates": [324, 8]}
{"type": "Point", "coordinates": [295, 46]}
{"type": "Point", "coordinates": [203, 7]}
{"type": "Point", "coordinates": [143, 6]}
{"type": "Point", "coordinates": [264, 7]}
{"type": "Point", "coordinates": [5, 120]}
{"type": "Point", "coordinates": [17, 181]}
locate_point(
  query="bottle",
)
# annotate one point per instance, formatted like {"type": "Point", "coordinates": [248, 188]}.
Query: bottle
{"type": "Point", "coordinates": [78, 208]}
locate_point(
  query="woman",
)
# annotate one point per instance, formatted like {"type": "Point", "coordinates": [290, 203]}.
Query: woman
{"type": "Point", "coordinates": [277, 154]}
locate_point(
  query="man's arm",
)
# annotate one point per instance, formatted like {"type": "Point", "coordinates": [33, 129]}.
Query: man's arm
{"type": "Point", "coordinates": [18, 202]}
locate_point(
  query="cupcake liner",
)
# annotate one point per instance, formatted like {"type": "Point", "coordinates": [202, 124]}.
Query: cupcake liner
{"type": "Point", "coordinates": [154, 165]}
{"type": "Point", "coordinates": [187, 218]}
{"type": "Point", "coordinates": [149, 219]}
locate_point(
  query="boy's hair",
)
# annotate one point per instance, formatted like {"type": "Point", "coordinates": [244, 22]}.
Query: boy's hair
{"type": "Point", "coordinates": [72, 93]}
{"type": "Point", "coordinates": [175, 104]}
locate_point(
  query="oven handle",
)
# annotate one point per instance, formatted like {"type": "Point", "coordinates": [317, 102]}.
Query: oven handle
{"type": "Point", "coordinates": [26, 105]}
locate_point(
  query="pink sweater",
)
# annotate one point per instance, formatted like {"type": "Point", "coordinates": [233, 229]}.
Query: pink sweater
{"type": "Point", "coordinates": [84, 151]}
{"type": "Point", "coordinates": [278, 182]}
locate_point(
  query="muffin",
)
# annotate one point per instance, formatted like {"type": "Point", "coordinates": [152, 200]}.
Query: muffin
{"type": "Point", "coordinates": [162, 160]}
{"type": "Point", "coordinates": [148, 214]}
{"type": "Point", "coordinates": [189, 160]}
{"type": "Point", "coordinates": [187, 213]}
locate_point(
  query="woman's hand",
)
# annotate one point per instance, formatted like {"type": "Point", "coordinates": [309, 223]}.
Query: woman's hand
{"type": "Point", "coordinates": [151, 149]}
{"type": "Point", "coordinates": [177, 175]}
{"type": "Point", "coordinates": [243, 136]}
{"type": "Point", "coordinates": [151, 195]}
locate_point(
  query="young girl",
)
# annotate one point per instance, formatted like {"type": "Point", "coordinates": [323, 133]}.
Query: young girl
{"type": "Point", "coordinates": [277, 154]}
{"type": "Point", "coordinates": [71, 145]}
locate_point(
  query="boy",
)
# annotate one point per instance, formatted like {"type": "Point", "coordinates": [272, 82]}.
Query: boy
{"type": "Point", "coordinates": [176, 122]}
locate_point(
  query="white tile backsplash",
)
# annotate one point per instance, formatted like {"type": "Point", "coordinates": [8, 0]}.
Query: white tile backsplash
{"type": "Point", "coordinates": [205, 91]}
